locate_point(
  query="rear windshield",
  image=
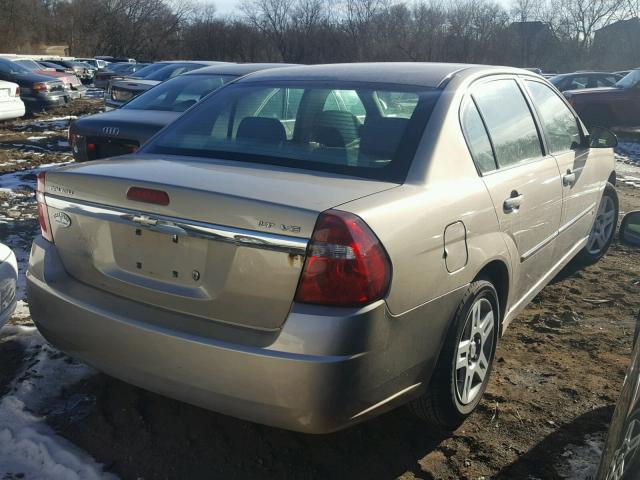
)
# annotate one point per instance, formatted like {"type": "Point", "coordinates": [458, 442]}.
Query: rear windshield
{"type": "Point", "coordinates": [364, 130]}
{"type": "Point", "coordinates": [148, 70]}
{"type": "Point", "coordinates": [178, 94]}
{"type": "Point", "coordinates": [172, 70]}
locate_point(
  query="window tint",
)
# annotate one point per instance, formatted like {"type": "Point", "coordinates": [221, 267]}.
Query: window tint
{"type": "Point", "coordinates": [345, 100]}
{"type": "Point", "coordinates": [287, 124]}
{"type": "Point", "coordinates": [397, 104]}
{"type": "Point", "coordinates": [477, 138]}
{"type": "Point", "coordinates": [559, 124]}
{"type": "Point", "coordinates": [178, 94]}
{"type": "Point", "coordinates": [509, 121]}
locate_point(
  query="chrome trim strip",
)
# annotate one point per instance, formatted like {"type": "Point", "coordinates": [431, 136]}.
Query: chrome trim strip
{"type": "Point", "coordinates": [180, 227]}
{"type": "Point", "coordinates": [529, 253]}
{"type": "Point", "coordinates": [576, 219]}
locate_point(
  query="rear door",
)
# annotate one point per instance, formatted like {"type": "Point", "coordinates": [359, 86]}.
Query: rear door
{"type": "Point", "coordinates": [580, 179]}
{"type": "Point", "coordinates": [524, 182]}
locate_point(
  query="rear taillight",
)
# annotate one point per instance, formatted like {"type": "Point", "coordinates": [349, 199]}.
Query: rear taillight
{"type": "Point", "coordinates": [148, 195]}
{"type": "Point", "coordinates": [43, 212]}
{"type": "Point", "coordinates": [346, 264]}
{"type": "Point", "coordinates": [17, 91]}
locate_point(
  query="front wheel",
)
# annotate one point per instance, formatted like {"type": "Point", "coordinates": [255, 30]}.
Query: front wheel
{"type": "Point", "coordinates": [466, 360]}
{"type": "Point", "coordinates": [604, 228]}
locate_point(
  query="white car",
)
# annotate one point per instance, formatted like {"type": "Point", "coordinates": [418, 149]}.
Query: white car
{"type": "Point", "coordinates": [8, 282]}
{"type": "Point", "coordinates": [11, 105]}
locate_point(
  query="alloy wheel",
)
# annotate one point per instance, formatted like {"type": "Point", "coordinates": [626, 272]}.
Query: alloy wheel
{"type": "Point", "coordinates": [603, 226]}
{"type": "Point", "coordinates": [475, 349]}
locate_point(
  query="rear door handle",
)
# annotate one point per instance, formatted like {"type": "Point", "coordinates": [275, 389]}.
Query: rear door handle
{"type": "Point", "coordinates": [513, 203]}
{"type": "Point", "coordinates": [569, 178]}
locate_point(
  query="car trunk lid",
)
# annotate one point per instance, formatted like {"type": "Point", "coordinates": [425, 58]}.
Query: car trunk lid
{"type": "Point", "coordinates": [229, 246]}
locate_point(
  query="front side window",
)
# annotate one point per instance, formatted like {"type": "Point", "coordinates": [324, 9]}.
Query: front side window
{"type": "Point", "coordinates": [559, 124]}
{"type": "Point", "coordinates": [476, 136]}
{"type": "Point", "coordinates": [178, 94]}
{"type": "Point", "coordinates": [298, 125]}
{"type": "Point", "coordinates": [509, 122]}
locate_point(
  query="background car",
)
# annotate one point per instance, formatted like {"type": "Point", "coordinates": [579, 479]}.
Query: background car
{"type": "Point", "coordinates": [72, 84]}
{"type": "Point", "coordinates": [311, 263]}
{"type": "Point", "coordinates": [8, 280]}
{"type": "Point", "coordinates": [94, 62]}
{"type": "Point", "coordinates": [581, 80]}
{"type": "Point", "coordinates": [615, 106]}
{"type": "Point", "coordinates": [123, 130]}
{"type": "Point", "coordinates": [38, 92]}
{"type": "Point", "coordinates": [122, 91]}
{"type": "Point", "coordinates": [11, 106]}
{"type": "Point", "coordinates": [82, 70]}
{"type": "Point", "coordinates": [621, 455]}
{"type": "Point", "coordinates": [116, 70]}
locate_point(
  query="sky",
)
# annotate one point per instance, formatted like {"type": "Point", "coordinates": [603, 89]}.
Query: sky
{"type": "Point", "coordinates": [224, 7]}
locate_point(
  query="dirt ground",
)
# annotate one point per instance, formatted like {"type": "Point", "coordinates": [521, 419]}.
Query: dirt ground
{"type": "Point", "coordinates": [558, 373]}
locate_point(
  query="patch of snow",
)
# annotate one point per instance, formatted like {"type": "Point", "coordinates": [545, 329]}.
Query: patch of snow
{"type": "Point", "coordinates": [36, 139]}
{"type": "Point", "coordinates": [580, 462]}
{"type": "Point", "coordinates": [29, 448]}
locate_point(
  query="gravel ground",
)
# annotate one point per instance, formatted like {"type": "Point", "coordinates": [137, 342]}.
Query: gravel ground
{"type": "Point", "coordinates": [558, 373]}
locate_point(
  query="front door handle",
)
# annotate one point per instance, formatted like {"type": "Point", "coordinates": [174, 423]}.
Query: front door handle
{"type": "Point", "coordinates": [569, 178]}
{"type": "Point", "coordinates": [513, 203]}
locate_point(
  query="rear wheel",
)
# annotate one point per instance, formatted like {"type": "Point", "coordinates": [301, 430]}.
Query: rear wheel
{"type": "Point", "coordinates": [466, 360]}
{"type": "Point", "coordinates": [603, 230]}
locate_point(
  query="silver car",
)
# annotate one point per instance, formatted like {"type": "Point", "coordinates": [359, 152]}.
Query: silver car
{"type": "Point", "coordinates": [312, 246]}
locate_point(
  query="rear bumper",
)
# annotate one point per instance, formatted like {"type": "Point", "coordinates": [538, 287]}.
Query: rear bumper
{"type": "Point", "coordinates": [325, 369]}
{"type": "Point", "coordinates": [46, 100]}
{"type": "Point", "coordinates": [10, 110]}
{"type": "Point", "coordinates": [8, 285]}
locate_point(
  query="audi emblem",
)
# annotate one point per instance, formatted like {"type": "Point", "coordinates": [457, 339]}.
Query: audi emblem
{"type": "Point", "coordinates": [111, 130]}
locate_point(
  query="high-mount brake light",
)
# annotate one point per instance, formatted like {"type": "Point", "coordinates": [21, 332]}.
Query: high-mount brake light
{"type": "Point", "coordinates": [43, 211]}
{"type": "Point", "coordinates": [346, 264]}
{"type": "Point", "coordinates": [148, 195]}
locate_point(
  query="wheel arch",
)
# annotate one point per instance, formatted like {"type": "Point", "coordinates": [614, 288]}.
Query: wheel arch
{"type": "Point", "coordinates": [497, 272]}
{"type": "Point", "coordinates": [612, 178]}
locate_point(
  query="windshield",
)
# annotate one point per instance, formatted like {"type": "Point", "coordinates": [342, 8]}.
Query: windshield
{"type": "Point", "coordinates": [172, 70]}
{"type": "Point", "coordinates": [629, 80]}
{"type": "Point", "coordinates": [148, 70]}
{"type": "Point", "coordinates": [13, 67]}
{"type": "Point", "coordinates": [364, 130]}
{"type": "Point", "coordinates": [178, 94]}
{"type": "Point", "coordinates": [29, 64]}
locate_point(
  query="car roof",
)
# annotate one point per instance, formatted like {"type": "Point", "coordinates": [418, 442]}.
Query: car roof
{"type": "Point", "coordinates": [200, 62]}
{"type": "Point", "coordinates": [237, 68]}
{"type": "Point", "coordinates": [400, 73]}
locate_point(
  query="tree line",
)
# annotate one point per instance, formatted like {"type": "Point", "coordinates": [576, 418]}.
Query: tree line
{"type": "Point", "coordinates": [552, 34]}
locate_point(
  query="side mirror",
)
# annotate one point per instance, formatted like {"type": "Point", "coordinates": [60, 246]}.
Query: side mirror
{"type": "Point", "coordinates": [630, 228]}
{"type": "Point", "coordinates": [601, 137]}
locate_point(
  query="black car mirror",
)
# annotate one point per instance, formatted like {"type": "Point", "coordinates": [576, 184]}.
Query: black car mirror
{"type": "Point", "coordinates": [630, 228]}
{"type": "Point", "coordinates": [601, 137]}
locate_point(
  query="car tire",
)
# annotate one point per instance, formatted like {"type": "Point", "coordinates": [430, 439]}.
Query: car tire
{"type": "Point", "coordinates": [603, 230]}
{"type": "Point", "coordinates": [452, 394]}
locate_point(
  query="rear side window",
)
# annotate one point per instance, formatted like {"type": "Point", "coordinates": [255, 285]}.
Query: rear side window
{"type": "Point", "coordinates": [324, 126]}
{"type": "Point", "coordinates": [477, 138]}
{"type": "Point", "coordinates": [509, 121]}
{"type": "Point", "coordinates": [559, 124]}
